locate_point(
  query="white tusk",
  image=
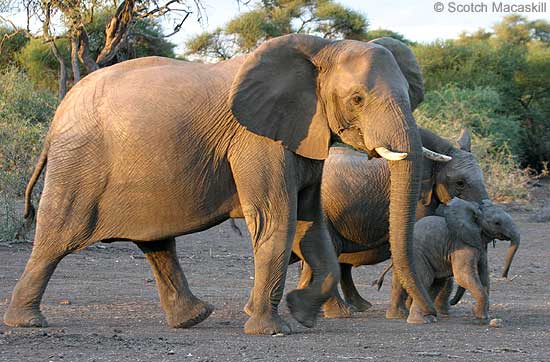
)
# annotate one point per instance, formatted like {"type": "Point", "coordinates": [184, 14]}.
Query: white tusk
{"type": "Point", "coordinates": [435, 156]}
{"type": "Point", "coordinates": [389, 155]}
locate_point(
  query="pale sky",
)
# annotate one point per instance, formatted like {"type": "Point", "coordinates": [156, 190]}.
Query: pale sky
{"type": "Point", "coordinates": [417, 20]}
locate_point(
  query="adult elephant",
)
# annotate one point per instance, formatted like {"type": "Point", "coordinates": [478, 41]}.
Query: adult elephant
{"type": "Point", "coordinates": [356, 202]}
{"type": "Point", "coordinates": [153, 148]}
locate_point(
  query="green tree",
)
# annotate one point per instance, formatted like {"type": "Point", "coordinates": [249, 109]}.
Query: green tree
{"type": "Point", "coordinates": [144, 39]}
{"type": "Point", "coordinates": [10, 44]}
{"type": "Point", "coordinates": [269, 19]}
{"type": "Point", "coordinates": [517, 29]}
{"type": "Point", "coordinates": [125, 20]}
{"type": "Point", "coordinates": [380, 33]}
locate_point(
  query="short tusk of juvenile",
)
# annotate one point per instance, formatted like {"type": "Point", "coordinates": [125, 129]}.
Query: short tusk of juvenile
{"type": "Point", "coordinates": [435, 156]}
{"type": "Point", "coordinates": [389, 155]}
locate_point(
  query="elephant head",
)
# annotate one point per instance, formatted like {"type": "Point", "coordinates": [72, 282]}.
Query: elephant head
{"type": "Point", "coordinates": [307, 92]}
{"type": "Point", "coordinates": [459, 176]}
{"type": "Point", "coordinates": [463, 220]}
{"type": "Point", "coordinates": [498, 224]}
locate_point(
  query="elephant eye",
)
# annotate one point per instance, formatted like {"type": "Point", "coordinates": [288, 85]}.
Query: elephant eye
{"type": "Point", "coordinates": [460, 183]}
{"type": "Point", "coordinates": [357, 100]}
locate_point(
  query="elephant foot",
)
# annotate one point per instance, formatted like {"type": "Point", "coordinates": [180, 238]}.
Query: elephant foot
{"type": "Point", "coordinates": [189, 314]}
{"type": "Point", "coordinates": [336, 308]}
{"type": "Point", "coordinates": [358, 304]}
{"type": "Point", "coordinates": [305, 313]}
{"type": "Point", "coordinates": [481, 315]}
{"type": "Point", "coordinates": [442, 311]}
{"type": "Point", "coordinates": [420, 319]}
{"type": "Point", "coordinates": [24, 317]}
{"type": "Point", "coordinates": [396, 313]}
{"type": "Point", "coordinates": [269, 324]}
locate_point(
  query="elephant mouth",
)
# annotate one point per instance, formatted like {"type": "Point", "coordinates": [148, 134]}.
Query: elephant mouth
{"type": "Point", "coordinates": [498, 236]}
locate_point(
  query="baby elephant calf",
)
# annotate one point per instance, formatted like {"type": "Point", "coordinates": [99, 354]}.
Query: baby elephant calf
{"type": "Point", "coordinates": [453, 245]}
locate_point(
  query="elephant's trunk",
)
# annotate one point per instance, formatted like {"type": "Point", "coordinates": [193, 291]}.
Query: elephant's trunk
{"type": "Point", "coordinates": [405, 186]}
{"type": "Point", "coordinates": [458, 295]}
{"type": "Point", "coordinates": [514, 245]}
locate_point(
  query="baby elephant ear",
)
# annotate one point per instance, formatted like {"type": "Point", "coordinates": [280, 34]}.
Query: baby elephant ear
{"type": "Point", "coordinates": [409, 67]}
{"type": "Point", "coordinates": [463, 221]}
{"type": "Point", "coordinates": [274, 94]}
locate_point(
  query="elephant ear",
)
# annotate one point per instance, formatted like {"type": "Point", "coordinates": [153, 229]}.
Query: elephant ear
{"type": "Point", "coordinates": [427, 184]}
{"type": "Point", "coordinates": [274, 94]}
{"type": "Point", "coordinates": [464, 141]}
{"type": "Point", "coordinates": [463, 221]}
{"type": "Point", "coordinates": [409, 67]}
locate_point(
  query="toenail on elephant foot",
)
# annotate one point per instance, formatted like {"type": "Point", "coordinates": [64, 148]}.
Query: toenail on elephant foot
{"type": "Point", "coordinates": [187, 316]}
{"type": "Point", "coordinates": [419, 319]}
{"type": "Point", "coordinates": [248, 309]}
{"type": "Point", "coordinates": [305, 313]}
{"type": "Point", "coordinates": [336, 309]}
{"type": "Point", "coordinates": [269, 324]}
{"type": "Point", "coordinates": [24, 317]}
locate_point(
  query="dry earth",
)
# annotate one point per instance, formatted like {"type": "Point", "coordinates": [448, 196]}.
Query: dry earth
{"type": "Point", "coordinates": [114, 313]}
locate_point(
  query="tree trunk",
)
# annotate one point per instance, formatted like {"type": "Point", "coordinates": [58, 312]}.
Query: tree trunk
{"type": "Point", "coordinates": [116, 31]}
{"type": "Point", "coordinates": [84, 52]}
{"type": "Point", "coordinates": [62, 90]}
{"type": "Point", "coordinates": [74, 59]}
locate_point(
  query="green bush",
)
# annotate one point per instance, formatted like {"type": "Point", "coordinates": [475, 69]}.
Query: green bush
{"type": "Point", "coordinates": [24, 117]}
{"type": "Point", "coordinates": [448, 110]}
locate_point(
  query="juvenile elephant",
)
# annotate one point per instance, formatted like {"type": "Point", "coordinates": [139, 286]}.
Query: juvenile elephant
{"type": "Point", "coordinates": [495, 224]}
{"type": "Point", "coordinates": [498, 225]}
{"type": "Point", "coordinates": [456, 246]}
{"type": "Point", "coordinates": [355, 194]}
{"type": "Point", "coordinates": [153, 148]}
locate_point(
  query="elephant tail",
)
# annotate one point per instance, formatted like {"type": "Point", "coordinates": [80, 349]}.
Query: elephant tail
{"type": "Point", "coordinates": [378, 282]}
{"type": "Point", "coordinates": [30, 212]}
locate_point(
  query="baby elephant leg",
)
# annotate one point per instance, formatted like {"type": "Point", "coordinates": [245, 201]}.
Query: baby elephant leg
{"type": "Point", "coordinates": [471, 282]}
{"type": "Point", "coordinates": [442, 292]}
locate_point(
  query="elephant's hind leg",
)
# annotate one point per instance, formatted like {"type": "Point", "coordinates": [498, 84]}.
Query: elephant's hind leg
{"type": "Point", "coordinates": [335, 306]}
{"type": "Point", "coordinates": [313, 244]}
{"type": "Point", "coordinates": [351, 294]}
{"type": "Point", "coordinates": [24, 308]}
{"type": "Point", "coordinates": [181, 307]}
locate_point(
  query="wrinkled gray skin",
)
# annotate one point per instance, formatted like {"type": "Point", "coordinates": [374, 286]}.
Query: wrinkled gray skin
{"type": "Point", "coordinates": [456, 245]}
{"type": "Point", "coordinates": [356, 197]}
{"type": "Point", "coordinates": [497, 225]}
{"type": "Point", "coordinates": [153, 148]}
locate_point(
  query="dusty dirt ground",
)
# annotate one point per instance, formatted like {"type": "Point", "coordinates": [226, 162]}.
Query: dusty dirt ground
{"type": "Point", "coordinates": [114, 313]}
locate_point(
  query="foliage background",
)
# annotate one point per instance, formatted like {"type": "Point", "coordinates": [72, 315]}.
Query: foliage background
{"type": "Point", "coordinates": [494, 81]}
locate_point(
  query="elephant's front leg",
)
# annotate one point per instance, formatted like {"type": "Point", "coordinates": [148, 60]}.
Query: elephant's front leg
{"type": "Point", "coordinates": [267, 192]}
{"type": "Point", "coordinates": [467, 276]}
{"type": "Point", "coordinates": [181, 307]}
{"type": "Point", "coordinates": [351, 294]}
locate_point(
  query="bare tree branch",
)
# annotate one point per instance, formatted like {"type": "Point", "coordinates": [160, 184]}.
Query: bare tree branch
{"type": "Point", "coordinates": [115, 31]}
